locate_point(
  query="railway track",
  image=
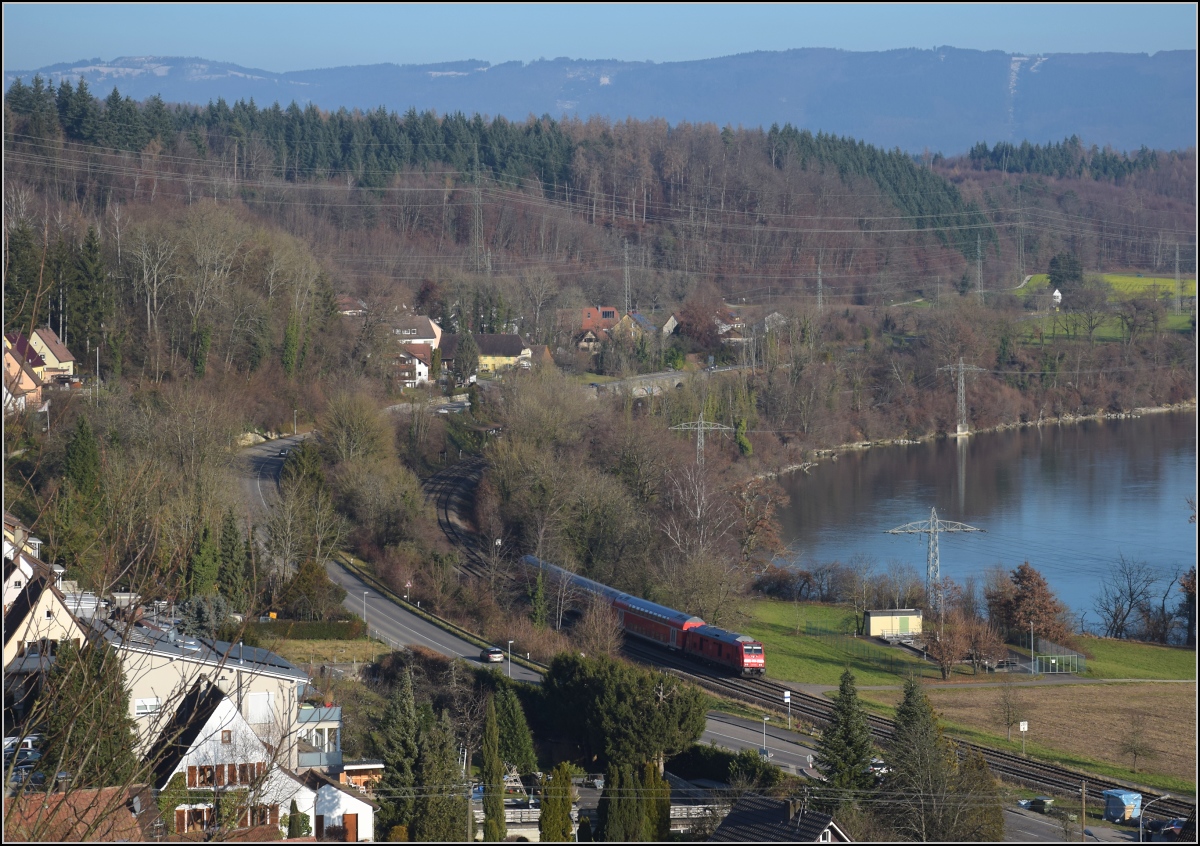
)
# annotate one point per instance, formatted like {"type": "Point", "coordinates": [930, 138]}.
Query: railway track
{"type": "Point", "coordinates": [451, 490]}
{"type": "Point", "coordinates": [768, 694]}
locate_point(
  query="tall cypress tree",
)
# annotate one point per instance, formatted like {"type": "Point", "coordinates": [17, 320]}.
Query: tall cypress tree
{"type": "Point", "coordinates": [656, 794]}
{"type": "Point", "coordinates": [554, 824]}
{"type": "Point", "coordinates": [494, 828]}
{"type": "Point", "coordinates": [609, 825]}
{"type": "Point", "coordinates": [204, 568]}
{"type": "Point", "coordinates": [633, 808]}
{"type": "Point", "coordinates": [844, 752]}
{"type": "Point", "coordinates": [397, 742]}
{"type": "Point", "coordinates": [441, 807]}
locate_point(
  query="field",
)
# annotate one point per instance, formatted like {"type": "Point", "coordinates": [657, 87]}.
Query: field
{"type": "Point", "coordinates": [793, 656]}
{"type": "Point", "coordinates": [1124, 284]}
{"type": "Point", "coordinates": [1116, 659]}
{"type": "Point", "coordinates": [318, 652]}
{"type": "Point", "coordinates": [1081, 725]}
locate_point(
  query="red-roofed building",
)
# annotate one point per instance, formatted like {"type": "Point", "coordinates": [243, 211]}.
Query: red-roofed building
{"type": "Point", "coordinates": [413, 364]}
{"type": "Point", "coordinates": [59, 361]}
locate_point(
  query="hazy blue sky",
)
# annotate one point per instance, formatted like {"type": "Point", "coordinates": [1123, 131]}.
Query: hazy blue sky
{"type": "Point", "coordinates": [297, 36]}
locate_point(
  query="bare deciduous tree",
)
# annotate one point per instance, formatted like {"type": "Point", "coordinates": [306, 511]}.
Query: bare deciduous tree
{"type": "Point", "coordinates": [1129, 586]}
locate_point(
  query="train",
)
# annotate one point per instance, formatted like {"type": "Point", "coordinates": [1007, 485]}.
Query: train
{"type": "Point", "coordinates": [668, 628]}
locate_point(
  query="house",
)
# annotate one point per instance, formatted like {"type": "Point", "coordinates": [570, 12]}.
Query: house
{"type": "Point", "coordinates": [161, 666]}
{"type": "Point", "coordinates": [770, 323]}
{"type": "Point", "coordinates": [591, 340]}
{"type": "Point", "coordinates": [416, 329]}
{"type": "Point", "coordinates": [20, 568]}
{"type": "Point", "coordinates": [34, 624]}
{"type": "Point", "coordinates": [671, 324]}
{"type": "Point", "coordinates": [341, 806]}
{"type": "Point", "coordinates": [364, 774]}
{"type": "Point", "coordinates": [892, 622]}
{"type": "Point", "coordinates": [320, 742]}
{"type": "Point", "coordinates": [414, 364]}
{"type": "Point", "coordinates": [634, 326]}
{"type": "Point", "coordinates": [59, 361]}
{"type": "Point", "coordinates": [349, 306]}
{"type": "Point", "coordinates": [496, 352]}
{"type": "Point", "coordinates": [106, 814]}
{"type": "Point", "coordinates": [540, 356]}
{"type": "Point", "coordinates": [24, 351]}
{"type": "Point", "coordinates": [758, 819]}
{"type": "Point", "coordinates": [22, 385]}
{"type": "Point", "coordinates": [221, 760]}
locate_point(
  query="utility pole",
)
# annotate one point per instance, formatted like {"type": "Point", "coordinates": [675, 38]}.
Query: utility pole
{"type": "Point", "coordinates": [1178, 289]}
{"type": "Point", "coordinates": [820, 284]}
{"type": "Point", "coordinates": [1083, 810]}
{"type": "Point", "coordinates": [962, 369]}
{"type": "Point", "coordinates": [979, 268]}
{"type": "Point", "coordinates": [700, 426]}
{"type": "Point", "coordinates": [628, 299]}
{"type": "Point", "coordinates": [933, 570]}
{"type": "Point", "coordinates": [476, 218]}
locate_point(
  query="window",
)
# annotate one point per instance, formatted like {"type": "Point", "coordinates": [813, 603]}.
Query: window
{"type": "Point", "coordinates": [826, 837]}
{"type": "Point", "coordinates": [18, 584]}
{"type": "Point", "coordinates": [227, 736]}
{"type": "Point", "coordinates": [258, 708]}
{"type": "Point", "coordinates": [142, 707]}
{"type": "Point", "coordinates": [49, 614]}
{"type": "Point", "coordinates": [205, 777]}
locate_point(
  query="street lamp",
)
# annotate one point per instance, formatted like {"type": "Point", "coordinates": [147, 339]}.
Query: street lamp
{"type": "Point", "coordinates": [365, 625]}
{"type": "Point", "coordinates": [1142, 815]}
{"type": "Point", "coordinates": [765, 753]}
{"type": "Point", "coordinates": [510, 643]}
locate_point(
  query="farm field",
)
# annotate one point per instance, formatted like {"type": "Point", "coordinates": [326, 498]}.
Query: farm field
{"type": "Point", "coordinates": [1081, 725]}
{"type": "Point", "coordinates": [1124, 284]}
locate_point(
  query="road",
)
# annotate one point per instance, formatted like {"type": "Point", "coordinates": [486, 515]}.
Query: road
{"type": "Point", "coordinates": [259, 467]}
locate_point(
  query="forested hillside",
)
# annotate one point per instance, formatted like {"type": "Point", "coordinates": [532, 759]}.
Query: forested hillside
{"type": "Point", "coordinates": [200, 254]}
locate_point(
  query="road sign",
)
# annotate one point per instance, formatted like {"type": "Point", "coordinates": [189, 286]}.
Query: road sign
{"type": "Point", "coordinates": [1024, 726]}
{"type": "Point", "coordinates": [787, 696]}
{"type": "Point", "coordinates": [810, 760]}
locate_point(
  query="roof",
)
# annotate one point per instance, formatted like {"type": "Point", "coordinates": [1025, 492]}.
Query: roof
{"type": "Point", "coordinates": [11, 381]}
{"type": "Point", "coordinates": [417, 325]}
{"type": "Point", "coordinates": [421, 352]}
{"type": "Point", "coordinates": [57, 348]}
{"type": "Point", "coordinates": [896, 612]}
{"type": "Point", "coordinates": [24, 349]}
{"type": "Point", "coordinates": [315, 780]}
{"type": "Point", "coordinates": [599, 317]}
{"type": "Point", "coordinates": [25, 602]}
{"type": "Point", "coordinates": [177, 737]}
{"type": "Point", "coordinates": [763, 820]}
{"type": "Point", "coordinates": [78, 815]}
{"type": "Point", "coordinates": [366, 764]}
{"type": "Point", "coordinates": [143, 638]}
{"type": "Point", "coordinates": [714, 633]}
{"type": "Point", "coordinates": [644, 322]}
{"type": "Point", "coordinates": [510, 346]}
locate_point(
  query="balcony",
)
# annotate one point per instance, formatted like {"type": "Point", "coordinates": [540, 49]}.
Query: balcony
{"type": "Point", "coordinates": [320, 742]}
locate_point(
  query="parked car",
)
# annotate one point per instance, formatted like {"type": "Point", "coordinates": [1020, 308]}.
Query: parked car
{"type": "Point", "coordinates": [594, 780]}
{"type": "Point", "coordinates": [492, 655]}
{"type": "Point", "coordinates": [29, 741]}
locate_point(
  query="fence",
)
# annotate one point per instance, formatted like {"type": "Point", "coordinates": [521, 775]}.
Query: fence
{"type": "Point", "coordinates": [862, 648]}
{"type": "Point", "coordinates": [1050, 657]}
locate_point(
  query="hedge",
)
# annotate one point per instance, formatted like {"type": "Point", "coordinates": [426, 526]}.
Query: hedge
{"type": "Point", "coordinates": [306, 630]}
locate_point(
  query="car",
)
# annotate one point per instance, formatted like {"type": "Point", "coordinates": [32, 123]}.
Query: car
{"type": "Point", "coordinates": [492, 655]}
{"type": "Point", "coordinates": [14, 742]}
{"type": "Point", "coordinates": [24, 757]}
{"type": "Point", "coordinates": [283, 453]}
{"type": "Point", "coordinates": [595, 780]}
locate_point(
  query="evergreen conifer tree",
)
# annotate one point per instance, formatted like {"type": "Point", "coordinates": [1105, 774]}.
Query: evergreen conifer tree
{"type": "Point", "coordinates": [83, 712]}
{"type": "Point", "coordinates": [554, 824]}
{"type": "Point", "coordinates": [204, 568]}
{"type": "Point", "coordinates": [609, 825]}
{"type": "Point", "coordinates": [494, 828]}
{"type": "Point", "coordinates": [584, 834]}
{"type": "Point", "coordinates": [397, 741]}
{"type": "Point", "coordinates": [81, 464]}
{"type": "Point", "coordinates": [844, 752]}
{"type": "Point", "coordinates": [656, 794]}
{"type": "Point", "coordinates": [922, 776]}
{"type": "Point", "coordinates": [232, 577]}
{"type": "Point", "coordinates": [440, 813]}
{"type": "Point", "coordinates": [516, 741]}
{"type": "Point", "coordinates": [293, 826]}
{"type": "Point", "coordinates": [633, 806]}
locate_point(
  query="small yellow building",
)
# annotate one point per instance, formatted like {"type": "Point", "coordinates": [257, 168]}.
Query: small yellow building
{"type": "Point", "coordinates": [894, 622]}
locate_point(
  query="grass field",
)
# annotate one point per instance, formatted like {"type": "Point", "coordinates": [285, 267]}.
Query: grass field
{"type": "Point", "coordinates": [1080, 725]}
{"type": "Point", "coordinates": [796, 657]}
{"type": "Point", "coordinates": [317, 652]}
{"type": "Point", "coordinates": [1124, 284]}
{"type": "Point", "coordinates": [1118, 659]}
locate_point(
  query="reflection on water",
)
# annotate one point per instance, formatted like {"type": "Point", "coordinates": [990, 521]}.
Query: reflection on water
{"type": "Point", "coordinates": [1068, 498]}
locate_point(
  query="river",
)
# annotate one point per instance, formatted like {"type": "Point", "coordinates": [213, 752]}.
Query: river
{"type": "Point", "coordinates": [1070, 498]}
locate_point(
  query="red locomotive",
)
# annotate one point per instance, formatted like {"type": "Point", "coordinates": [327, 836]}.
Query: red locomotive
{"type": "Point", "coordinates": [669, 628]}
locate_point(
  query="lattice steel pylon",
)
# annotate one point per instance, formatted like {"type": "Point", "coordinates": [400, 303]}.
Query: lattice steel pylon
{"type": "Point", "coordinates": [932, 527]}
{"type": "Point", "coordinates": [699, 427]}
{"type": "Point", "coordinates": [962, 369]}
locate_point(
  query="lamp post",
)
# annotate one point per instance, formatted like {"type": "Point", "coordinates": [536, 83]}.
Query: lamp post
{"type": "Point", "coordinates": [293, 422]}
{"type": "Point", "coordinates": [510, 643]}
{"type": "Point", "coordinates": [1145, 807]}
{"type": "Point", "coordinates": [365, 626]}
{"type": "Point", "coordinates": [766, 755]}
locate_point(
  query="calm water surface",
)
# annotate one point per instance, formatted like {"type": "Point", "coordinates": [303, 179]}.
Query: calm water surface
{"type": "Point", "coordinates": [1068, 498]}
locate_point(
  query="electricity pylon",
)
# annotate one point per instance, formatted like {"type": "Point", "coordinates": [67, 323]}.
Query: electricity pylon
{"type": "Point", "coordinates": [933, 571]}
{"type": "Point", "coordinates": [962, 390]}
{"type": "Point", "coordinates": [699, 427]}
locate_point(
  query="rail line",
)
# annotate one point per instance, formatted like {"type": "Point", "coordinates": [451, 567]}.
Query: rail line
{"type": "Point", "coordinates": [768, 694]}
{"type": "Point", "coordinates": [448, 489]}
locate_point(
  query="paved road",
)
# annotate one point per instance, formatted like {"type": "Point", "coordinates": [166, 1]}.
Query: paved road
{"type": "Point", "coordinates": [394, 625]}
{"type": "Point", "coordinates": [259, 473]}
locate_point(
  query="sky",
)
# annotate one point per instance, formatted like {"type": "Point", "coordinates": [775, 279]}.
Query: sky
{"type": "Point", "coordinates": [298, 36]}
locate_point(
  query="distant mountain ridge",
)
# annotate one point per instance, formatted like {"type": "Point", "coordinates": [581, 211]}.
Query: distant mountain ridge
{"type": "Point", "coordinates": [944, 99]}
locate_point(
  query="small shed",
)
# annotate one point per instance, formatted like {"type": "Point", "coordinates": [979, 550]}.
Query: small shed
{"type": "Point", "coordinates": [1121, 805]}
{"type": "Point", "coordinates": [894, 622]}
